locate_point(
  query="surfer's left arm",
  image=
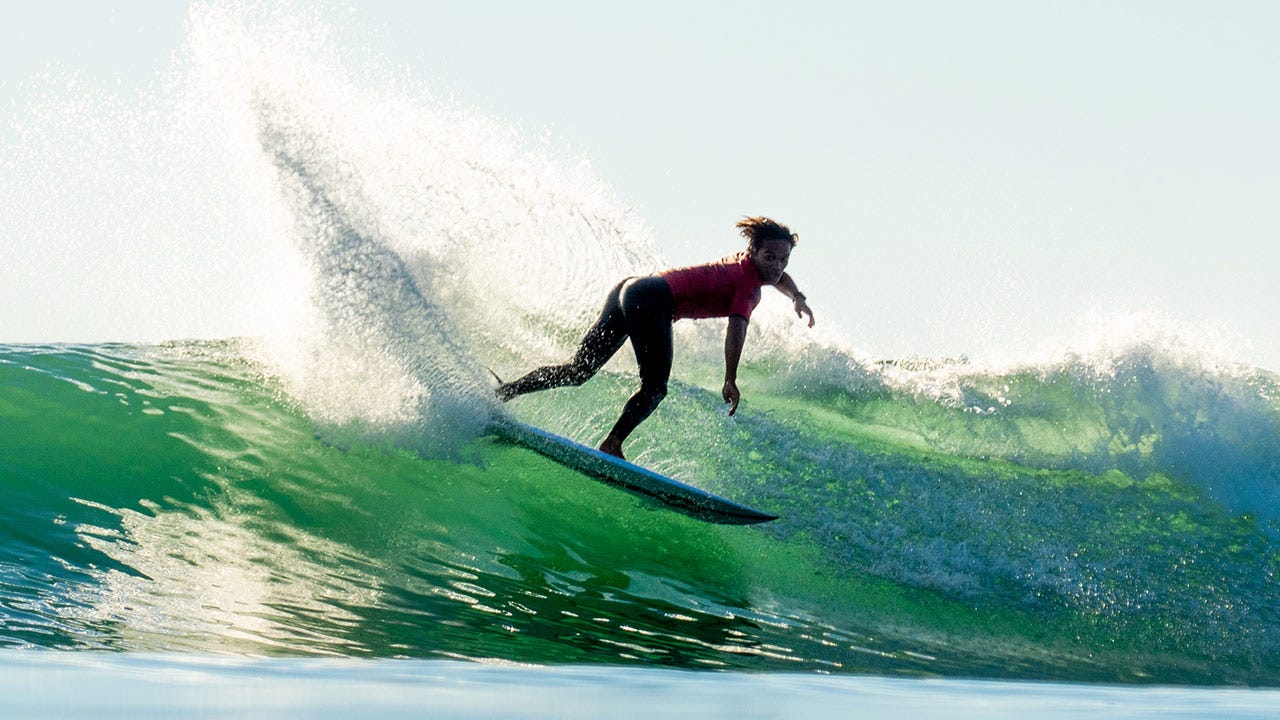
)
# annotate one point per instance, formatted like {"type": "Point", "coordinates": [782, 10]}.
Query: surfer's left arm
{"type": "Point", "coordinates": [787, 287]}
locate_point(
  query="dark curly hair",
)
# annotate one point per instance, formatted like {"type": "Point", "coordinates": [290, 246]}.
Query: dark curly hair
{"type": "Point", "coordinates": [760, 229]}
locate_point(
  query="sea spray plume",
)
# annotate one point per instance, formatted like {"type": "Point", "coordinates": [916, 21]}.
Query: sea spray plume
{"type": "Point", "coordinates": [508, 239]}
{"type": "Point", "coordinates": [382, 356]}
{"type": "Point", "coordinates": [518, 237]}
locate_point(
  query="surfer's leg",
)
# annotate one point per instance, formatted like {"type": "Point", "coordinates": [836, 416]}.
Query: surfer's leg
{"type": "Point", "coordinates": [647, 307]}
{"type": "Point", "coordinates": [598, 345]}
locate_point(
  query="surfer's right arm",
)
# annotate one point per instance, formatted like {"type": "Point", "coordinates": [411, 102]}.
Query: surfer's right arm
{"type": "Point", "coordinates": [734, 338]}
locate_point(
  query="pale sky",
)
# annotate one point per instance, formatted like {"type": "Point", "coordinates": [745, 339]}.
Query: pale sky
{"type": "Point", "coordinates": [974, 178]}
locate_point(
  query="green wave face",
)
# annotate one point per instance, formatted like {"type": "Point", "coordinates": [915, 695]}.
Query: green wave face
{"type": "Point", "coordinates": [176, 498]}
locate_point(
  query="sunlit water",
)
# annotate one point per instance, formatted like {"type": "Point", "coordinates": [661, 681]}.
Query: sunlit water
{"type": "Point", "coordinates": [207, 520]}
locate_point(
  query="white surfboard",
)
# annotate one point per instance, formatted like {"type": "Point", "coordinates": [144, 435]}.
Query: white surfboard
{"type": "Point", "coordinates": [687, 499]}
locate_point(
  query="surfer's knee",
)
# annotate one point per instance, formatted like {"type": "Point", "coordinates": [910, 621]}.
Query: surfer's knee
{"type": "Point", "coordinates": [578, 374]}
{"type": "Point", "coordinates": [654, 393]}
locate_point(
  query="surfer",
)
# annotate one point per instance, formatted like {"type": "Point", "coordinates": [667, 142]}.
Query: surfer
{"type": "Point", "coordinates": [644, 308]}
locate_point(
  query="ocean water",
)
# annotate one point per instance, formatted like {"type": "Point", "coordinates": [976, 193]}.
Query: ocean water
{"type": "Point", "coordinates": [177, 498]}
{"type": "Point", "coordinates": [252, 521]}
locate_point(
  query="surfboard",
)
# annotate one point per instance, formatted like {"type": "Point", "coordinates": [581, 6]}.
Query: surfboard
{"type": "Point", "coordinates": [690, 500]}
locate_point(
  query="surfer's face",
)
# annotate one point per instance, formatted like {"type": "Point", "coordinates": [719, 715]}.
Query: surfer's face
{"type": "Point", "coordinates": [770, 258]}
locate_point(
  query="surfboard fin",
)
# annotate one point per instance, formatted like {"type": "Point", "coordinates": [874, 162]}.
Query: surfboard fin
{"type": "Point", "coordinates": [502, 395]}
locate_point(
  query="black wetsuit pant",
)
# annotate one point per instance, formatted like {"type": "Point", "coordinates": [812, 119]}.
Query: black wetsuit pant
{"type": "Point", "coordinates": [637, 308]}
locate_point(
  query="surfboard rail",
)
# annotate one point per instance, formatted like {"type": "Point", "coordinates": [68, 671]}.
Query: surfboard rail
{"type": "Point", "coordinates": [690, 500]}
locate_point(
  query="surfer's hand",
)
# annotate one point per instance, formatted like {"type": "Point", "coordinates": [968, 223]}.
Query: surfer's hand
{"type": "Point", "coordinates": [802, 309]}
{"type": "Point", "coordinates": [731, 395]}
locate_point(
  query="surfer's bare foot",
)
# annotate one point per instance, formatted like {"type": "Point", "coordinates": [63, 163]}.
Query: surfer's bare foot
{"type": "Point", "coordinates": [612, 446]}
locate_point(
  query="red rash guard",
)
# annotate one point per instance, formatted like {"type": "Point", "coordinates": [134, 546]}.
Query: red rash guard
{"type": "Point", "coordinates": [720, 289]}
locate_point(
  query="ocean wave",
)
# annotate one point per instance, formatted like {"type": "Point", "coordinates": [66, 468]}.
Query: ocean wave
{"type": "Point", "coordinates": [177, 497]}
